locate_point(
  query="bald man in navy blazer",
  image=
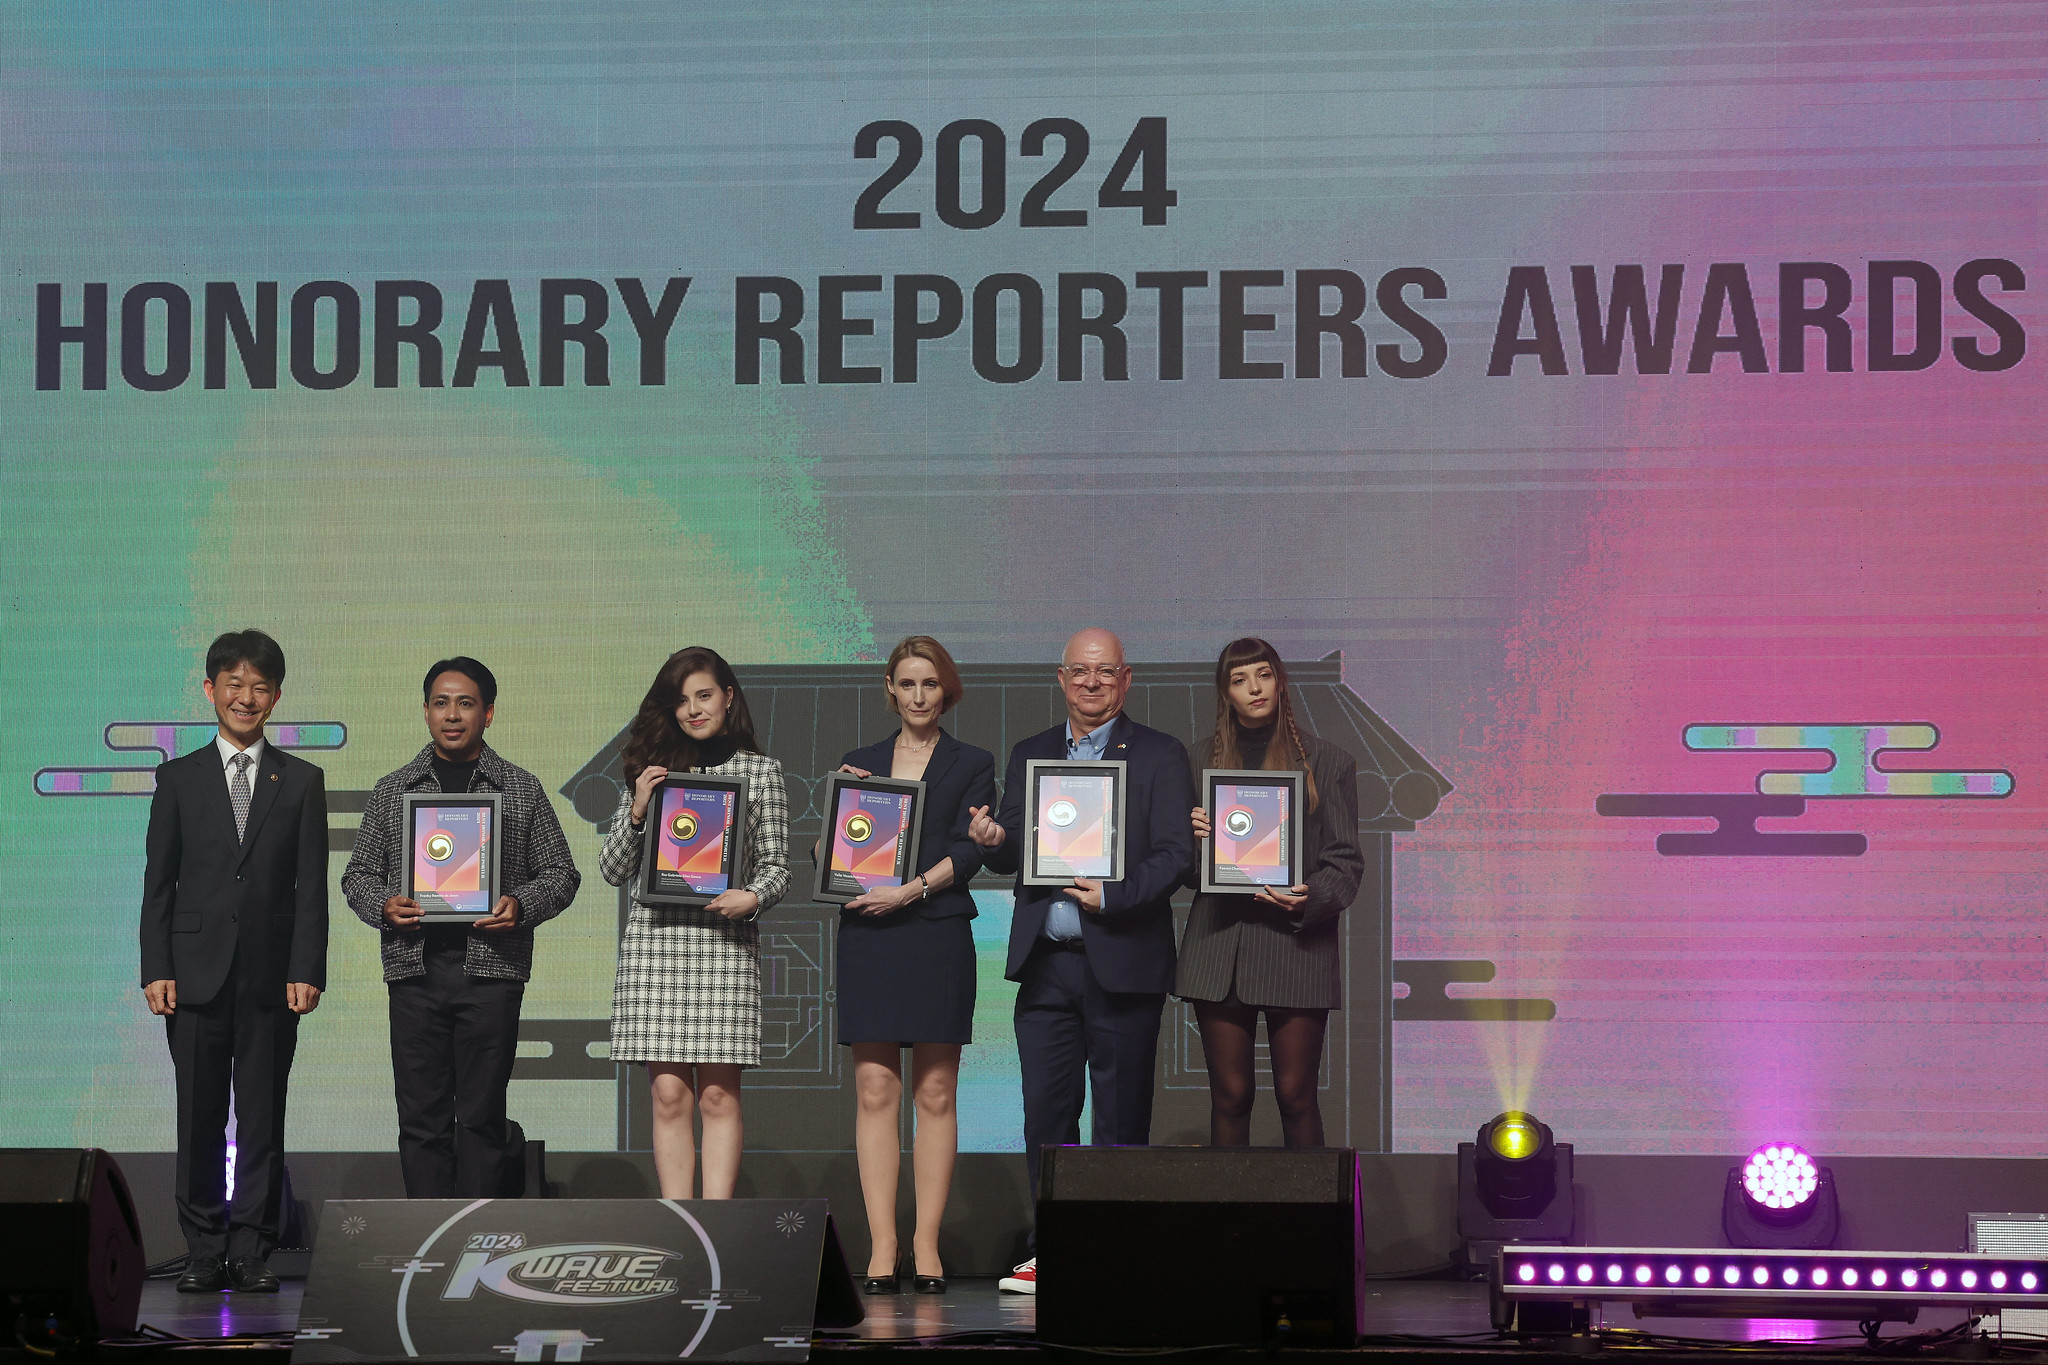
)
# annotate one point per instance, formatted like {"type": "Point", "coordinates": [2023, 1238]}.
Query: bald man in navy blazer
{"type": "Point", "coordinates": [1093, 962]}
{"type": "Point", "coordinates": [234, 950]}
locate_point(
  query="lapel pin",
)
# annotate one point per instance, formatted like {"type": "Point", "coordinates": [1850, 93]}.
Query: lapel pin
{"type": "Point", "coordinates": [273, 777]}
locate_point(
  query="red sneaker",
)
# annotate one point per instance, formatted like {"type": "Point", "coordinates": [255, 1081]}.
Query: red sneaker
{"type": "Point", "coordinates": [1022, 1280]}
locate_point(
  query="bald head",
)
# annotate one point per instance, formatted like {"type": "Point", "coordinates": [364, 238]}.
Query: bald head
{"type": "Point", "coordinates": [1094, 678]}
{"type": "Point", "coordinates": [1093, 645]}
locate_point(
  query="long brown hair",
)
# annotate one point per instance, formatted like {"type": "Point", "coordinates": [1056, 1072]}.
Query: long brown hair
{"type": "Point", "coordinates": [655, 740]}
{"type": "Point", "coordinates": [1285, 750]}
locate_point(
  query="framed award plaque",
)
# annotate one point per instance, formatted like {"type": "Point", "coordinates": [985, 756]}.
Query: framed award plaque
{"type": "Point", "coordinates": [695, 822]}
{"type": "Point", "coordinates": [451, 854]}
{"type": "Point", "coordinates": [1073, 820]}
{"type": "Point", "coordinates": [1254, 829]}
{"type": "Point", "coordinates": [871, 829]}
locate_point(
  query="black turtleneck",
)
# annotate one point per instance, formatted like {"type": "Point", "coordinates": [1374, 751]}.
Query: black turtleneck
{"type": "Point", "coordinates": [716, 750]}
{"type": "Point", "coordinates": [1252, 744]}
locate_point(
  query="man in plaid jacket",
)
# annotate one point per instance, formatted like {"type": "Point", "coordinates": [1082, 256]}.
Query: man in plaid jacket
{"type": "Point", "coordinates": [456, 989]}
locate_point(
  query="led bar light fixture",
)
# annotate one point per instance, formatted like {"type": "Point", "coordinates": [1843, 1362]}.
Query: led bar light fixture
{"type": "Point", "coordinates": [1716, 1282]}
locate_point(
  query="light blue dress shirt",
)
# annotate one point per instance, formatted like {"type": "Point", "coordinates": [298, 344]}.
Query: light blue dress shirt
{"type": "Point", "coordinates": [1063, 916]}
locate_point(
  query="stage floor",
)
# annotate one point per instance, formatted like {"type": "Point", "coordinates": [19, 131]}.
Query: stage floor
{"type": "Point", "coordinates": [1419, 1313]}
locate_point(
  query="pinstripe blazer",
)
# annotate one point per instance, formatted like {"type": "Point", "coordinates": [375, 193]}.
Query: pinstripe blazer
{"type": "Point", "coordinates": [1268, 956]}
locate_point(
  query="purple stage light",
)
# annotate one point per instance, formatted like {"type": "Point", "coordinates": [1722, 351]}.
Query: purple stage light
{"type": "Point", "coordinates": [1938, 1278]}
{"type": "Point", "coordinates": [1732, 1275]}
{"type": "Point", "coordinates": [1642, 1274]}
{"type": "Point", "coordinates": [2030, 1282]}
{"type": "Point", "coordinates": [1614, 1274]}
{"type": "Point", "coordinates": [1671, 1274]}
{"type": "Point", "coordinates": [1585, 1274]}
{"type": "Point", "coordinates": [1700, 1274]}
{"type": "Point", "coordinates": [1527, 1274]}
{"type": "Point", "coordinates": [1909, 1277]}
{"type": "Point", "coordinates": [1820, 1276]}
{"type": "Point", "coordinates": [1760, 1275]}
{"type": "Point", "coordinates": [1998, 1279]}
{"type": "Point", "coordinates": [1779, 1176]}
{"type": "Point", "coordinates": [1849, 1277]}
{"type": "Point", "coordinates": [1878, 1277]}
{"type": "Point", "coordinates": [1791, 1276]}
{"type": "Point", "coordinates": [1556, 1273]}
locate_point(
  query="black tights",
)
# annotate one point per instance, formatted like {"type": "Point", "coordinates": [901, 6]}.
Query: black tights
{"type": "Point", "coordinates": [1295, 1040]}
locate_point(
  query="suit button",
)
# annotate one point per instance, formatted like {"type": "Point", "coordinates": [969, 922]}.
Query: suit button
{"type": "Point", "coordinates": [231, 919]}
{"type": "Point", "coordinates": [238, 876]}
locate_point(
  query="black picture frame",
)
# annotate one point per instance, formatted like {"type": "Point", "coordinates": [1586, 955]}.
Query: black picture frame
{"type": "Point", "coordinates": [433, 832]}
{"type": "Point", "coordinates": [891, 799]}
{"type": "Point", "coordinates": [705, 800]}
{"type": "Point", "coordinates": [1045, 866]}
{"type": "Point", "coordinates": [1258, 799]}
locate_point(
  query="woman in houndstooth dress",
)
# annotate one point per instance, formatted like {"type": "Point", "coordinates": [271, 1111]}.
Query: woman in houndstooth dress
{"type": "Point", "coordinates": [687, 997]}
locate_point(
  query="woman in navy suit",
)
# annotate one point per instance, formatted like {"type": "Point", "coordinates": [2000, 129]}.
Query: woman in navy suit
{"type": "Point", "coordinates": [906, 963]}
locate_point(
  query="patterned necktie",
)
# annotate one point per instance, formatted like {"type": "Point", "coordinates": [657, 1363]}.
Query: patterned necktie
{"type": "Point", "coordinates": [238, 794]}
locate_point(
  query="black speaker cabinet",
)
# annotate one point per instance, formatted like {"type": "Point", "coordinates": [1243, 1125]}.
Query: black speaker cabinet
{"type": "Point", "coordinates": [73, 1246]}
{"type": "Point", "coordinates": [1196, 1246]}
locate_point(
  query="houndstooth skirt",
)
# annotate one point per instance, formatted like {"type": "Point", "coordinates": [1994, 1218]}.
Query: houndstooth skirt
{"type": "Point", "coordinates": [688, 988]}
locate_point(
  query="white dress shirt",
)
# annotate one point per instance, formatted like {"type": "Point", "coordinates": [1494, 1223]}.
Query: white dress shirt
{"type": "Point", "coordinates": [227, 760]}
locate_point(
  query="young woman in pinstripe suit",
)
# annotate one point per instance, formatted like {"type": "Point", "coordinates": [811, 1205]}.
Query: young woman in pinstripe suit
{"type": "Point", "coordinates": [1276, 951]}
{"type": "Point", "coordinates": [687, 997]}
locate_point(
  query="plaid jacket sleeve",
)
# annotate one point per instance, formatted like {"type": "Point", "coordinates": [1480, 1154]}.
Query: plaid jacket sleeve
{"type": "Point", "coordinates": [367, 882]}
{"type": "Point", "coordinates": [551, 875]}
{"type": "Point", "coordinates": [620, 857]}
{"type": "Point", "coordinates": [767, 832]}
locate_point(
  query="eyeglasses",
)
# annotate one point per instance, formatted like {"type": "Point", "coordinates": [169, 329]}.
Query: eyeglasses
{"type": "Point", "coordinates": [1107, 673]}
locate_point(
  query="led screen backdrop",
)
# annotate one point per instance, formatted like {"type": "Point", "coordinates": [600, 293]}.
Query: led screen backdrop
{"type": "Point", "coordinates": [1638, 405]}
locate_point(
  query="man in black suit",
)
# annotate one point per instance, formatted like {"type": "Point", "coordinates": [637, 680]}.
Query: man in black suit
{"type": "Point", "coordinates": [1093, 961]}
{"type": "Point", "coordinates": [234, 950]}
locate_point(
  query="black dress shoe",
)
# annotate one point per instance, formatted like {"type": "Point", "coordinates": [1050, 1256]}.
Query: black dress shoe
{"type": "Point", "coordinates": [882, 1284]}
{"type": "Point", "coordinates": [249, 1275]}
{"type": "Point", "coordinates": [203, 1275]}
{"type": "Point", "coordinates": [931, 1284]}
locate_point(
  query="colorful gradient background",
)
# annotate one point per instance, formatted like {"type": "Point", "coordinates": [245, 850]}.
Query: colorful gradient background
{"type": "Point", "coordinates": [1540, 581]}
{"type": "Point", "coordinates": [700, 862]}
{"type": "Point", "coordinates": [871, 863]}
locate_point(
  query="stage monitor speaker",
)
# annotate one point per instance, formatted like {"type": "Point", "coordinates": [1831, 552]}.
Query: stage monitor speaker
{"type": "Point", "coordinates": [72, 1249]}
{"type": "Point", "coordinates": [572, 1279]}
{"type": "Point", "coordinates": [1198, 1246]}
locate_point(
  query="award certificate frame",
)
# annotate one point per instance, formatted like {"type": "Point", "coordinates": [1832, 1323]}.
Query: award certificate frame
{"type": "Point", "coordinates": [1074, 820]}
{"type": "Point", "coordinates": [695, 825]}
{"type": "Point", "coordinates": [452, 849]}
{"type": "Point", "coordinates": [1255, 830]}
{"type": "Point", "coordinates": [871, 835]}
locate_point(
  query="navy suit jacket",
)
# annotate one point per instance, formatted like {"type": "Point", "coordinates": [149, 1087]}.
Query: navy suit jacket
{"type": "Point", "coordinates": [209, 902]}
{"type": "Point", "coordinates": [1130, 943]}
{"type": "Point", "coordinates": [958, 778]}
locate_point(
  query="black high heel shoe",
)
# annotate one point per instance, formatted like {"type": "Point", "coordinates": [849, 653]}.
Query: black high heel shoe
{"type": "Point", "coordinates": [930, 1284]}
{"type": "Point", "coordinates": [882, 1284]}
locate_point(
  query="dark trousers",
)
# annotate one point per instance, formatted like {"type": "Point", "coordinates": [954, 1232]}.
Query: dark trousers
{"type": "Point", "coordinates": [241, 1041]}
{"type": "Point", "coordinates": [1074, 1039]}
{"type": "Point", "coordinates": [453, 1038]}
